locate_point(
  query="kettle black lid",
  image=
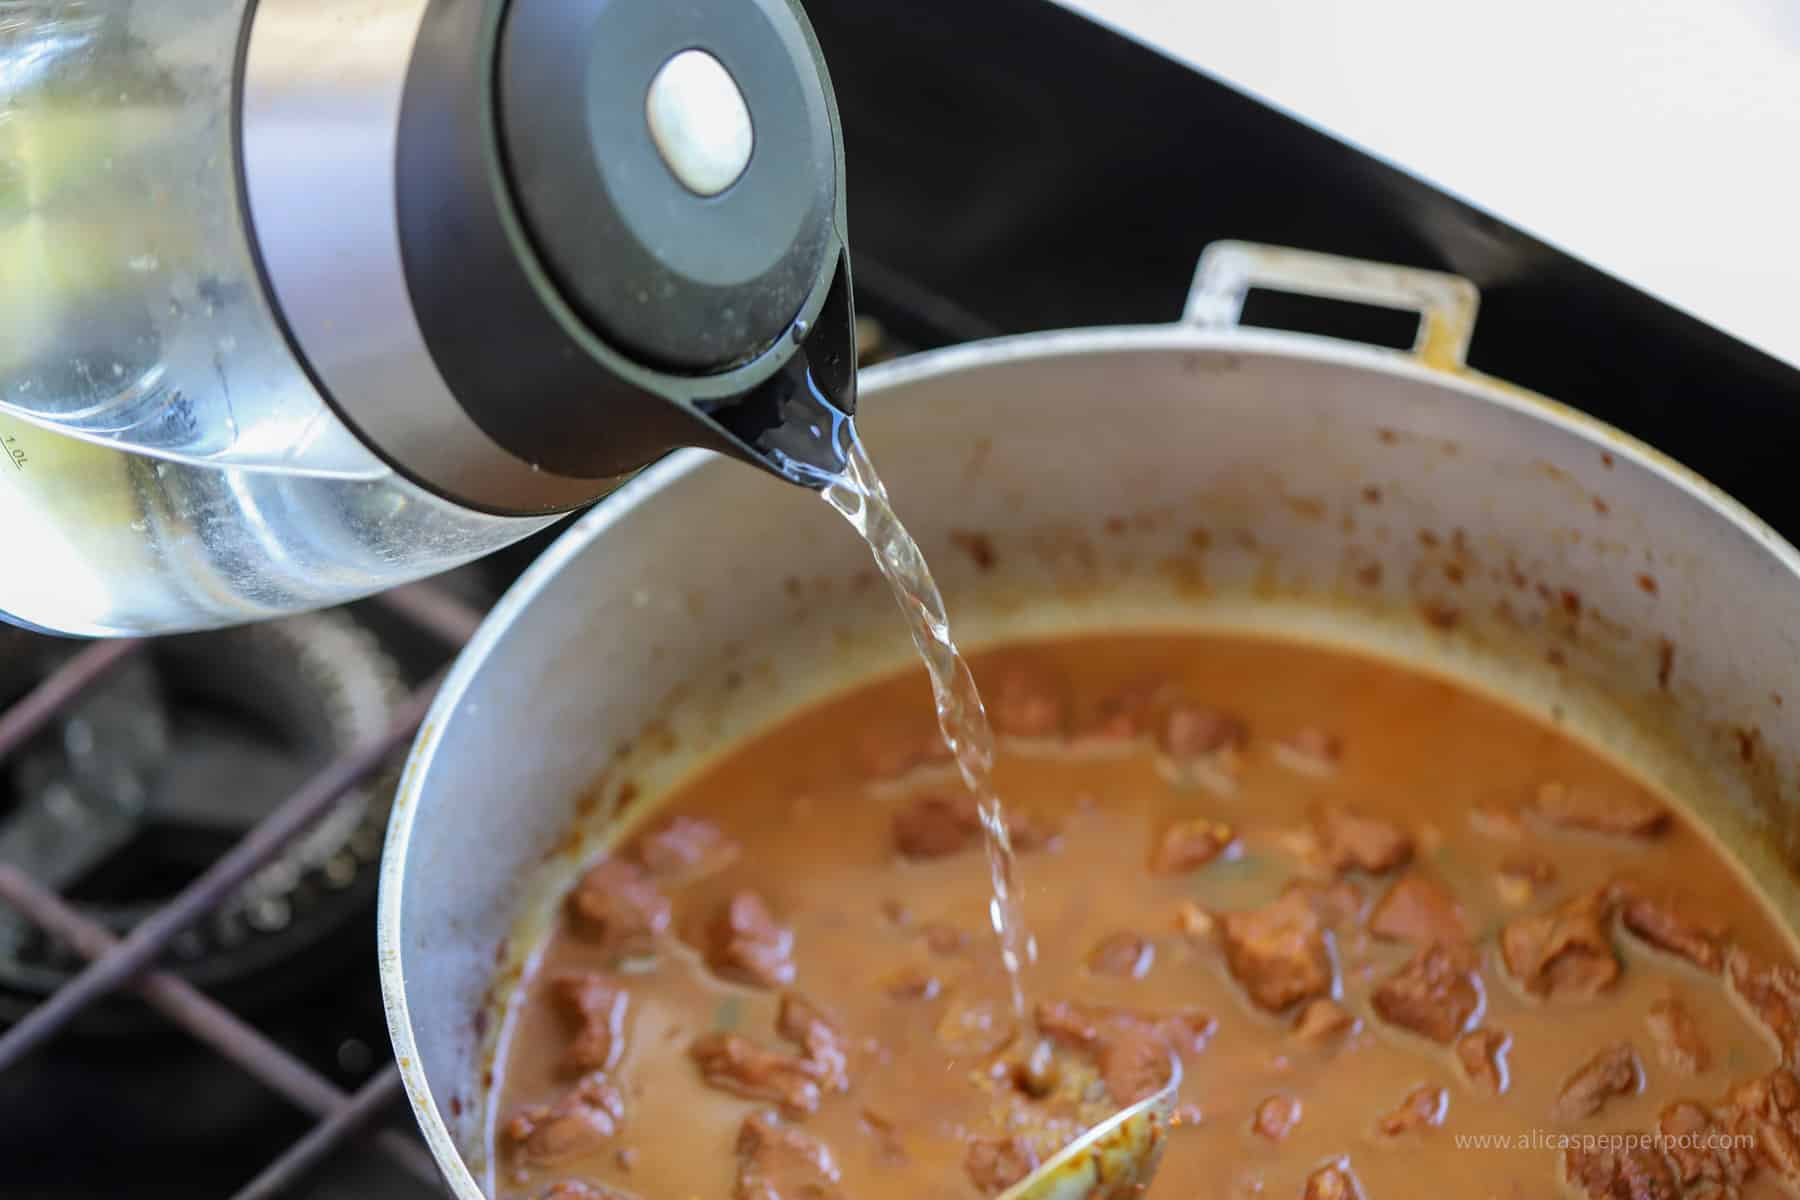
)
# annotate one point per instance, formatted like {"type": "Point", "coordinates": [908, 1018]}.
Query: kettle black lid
{"type": "Point", "coordinates": [674, 166]}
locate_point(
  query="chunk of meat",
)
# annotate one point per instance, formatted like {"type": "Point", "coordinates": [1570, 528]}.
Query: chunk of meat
{"type": "Point", "coordinates": [619, 907]}
{"type": "Point", "coordinates": [738, 1065]}
{"type": "Point", "coordinates": [1123, 956]}
{"type": "Point", "coordinates": [1671, 924]}
{"type": "Point", "coordinates": [1196, 731]}
{"type": "Point", "coordinates": [1565, 953]}
{"type": "Point", "coordinates": [996, 1163]}
{"type": "Point", "coordinates": [1028, 832]}
{"type": "Point", "coordinates": [1701, 1150]}
{"type": "Point", "coordinates": [1482, 1053]}
{"type": "Point", "coordinates": [1311, 751]}
{"type": "Point", "coordinates": [1134, 1065]}
{"type": "Point", "coordinates": [779, 1162]}
{"type": "Point", "coordinates": [597, 1006]}
{"type": "Point", "coordinates": [1614, 810]}
{"type": "Point", "coordinates": [684, 847]}
{"type": "Point", "coordinates": [944, 939]}
{"type": "Point", "coordinates": [936, 826]}
{"type": "Point", "coordinates": [1029, 704]}
{"type": "Point", "coordinates": [1679, 1044]}
{"type": "Point", "coordinates": [1276, 1117]}
{"type": "Point", "coordinates": [1184, 1032]}
{"type": "Point", "coordinates": [1606, 1173]}
{"type": "Point", "coordinates": [1767, 1108]}
{"type": "Point", "coordinates": [1088, 1027]}
{"type": "Point", "coordinates": [1434, 995]}
{"type": "Point", "coordinates": [1126, 713]}
{"type": "Point", "coordinates": [578, 1189]}
{"type": "Point", "coordinates": [1771, 992]}
{"type": "Point", "coordinates": [1422, 1108]}
{"type": "Point", "coordinates": [1347, 838]}
{"type": "Point", "coordinates": [1334, 1181]}
{"type": "Point", "coordinates": [1189, 845]}
{"type": "Point", "coordinates": [1079, 1025]}
{"type": "Point", "coordinates": [1278, 952]}
{"type": "Point", "coordinates": [1421, 910]}
{"type": "Point", "coordinates": [806, 1027]}
{"type": "Point", "coordinates": [888, 753]}
{"type": "Point", "coordinates": [577, 1125]}
{"type": "Point", "coordinates": [1323, 1020]}
{"type": "Point", "coordinates": [1040, 1072]}
{"type": "Point", "coordinates": [912, 983]}
{"type": "Point", "coordinates": [745, 944]}
{"type": "Point", "coordinates": [1612, 1072]}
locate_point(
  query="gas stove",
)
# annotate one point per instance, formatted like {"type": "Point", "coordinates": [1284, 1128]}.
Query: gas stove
{"type": "Point", "coordinates": [115, 803]}
{"type": "Point", "coordinates": [1013, 167]}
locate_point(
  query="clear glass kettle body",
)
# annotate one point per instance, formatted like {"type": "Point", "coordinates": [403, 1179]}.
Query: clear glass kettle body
{"type": "Point", "coordinates": [167, 464]}
{"type": "Point", "coordinates": [235, 375]}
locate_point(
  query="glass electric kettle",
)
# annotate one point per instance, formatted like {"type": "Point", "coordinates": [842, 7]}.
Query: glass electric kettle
{"type": "Point", "coordinates": [302, 299]}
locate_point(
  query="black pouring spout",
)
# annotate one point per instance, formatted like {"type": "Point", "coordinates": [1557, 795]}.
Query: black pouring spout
{"type": "Point", "coordinates": [796, 424]}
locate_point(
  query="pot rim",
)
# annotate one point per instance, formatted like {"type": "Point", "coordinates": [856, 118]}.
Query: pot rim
{"type": "Point", "coordinates": [928, 365]}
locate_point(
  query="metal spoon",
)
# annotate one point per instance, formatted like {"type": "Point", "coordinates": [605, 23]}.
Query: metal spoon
{"type": "Point", "coordinates": [1115, 1160]}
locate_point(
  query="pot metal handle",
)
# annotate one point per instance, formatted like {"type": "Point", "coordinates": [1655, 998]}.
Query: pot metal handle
{"type": "Point", "coordinates": [1446, 304]}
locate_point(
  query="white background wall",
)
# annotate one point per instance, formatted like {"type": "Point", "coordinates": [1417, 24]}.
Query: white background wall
{"type": "Point", "coordinates": [1658, 139]}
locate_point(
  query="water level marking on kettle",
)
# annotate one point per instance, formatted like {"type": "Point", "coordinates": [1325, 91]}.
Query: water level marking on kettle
{"type": "Point", "coordinates": [15, 453]}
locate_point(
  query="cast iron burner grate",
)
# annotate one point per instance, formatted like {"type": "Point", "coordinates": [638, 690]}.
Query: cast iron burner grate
{"type": "Point", "coordinates": [295, 836]}
{"type": "Point", "coordinates": [136, 785]}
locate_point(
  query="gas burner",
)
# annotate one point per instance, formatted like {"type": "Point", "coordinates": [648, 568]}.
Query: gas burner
{"type": "Point", "coordinates": [166, 763]}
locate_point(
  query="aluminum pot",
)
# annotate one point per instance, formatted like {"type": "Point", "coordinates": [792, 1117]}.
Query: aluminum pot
{"type": "Point", "coordinates": [1195, 474]}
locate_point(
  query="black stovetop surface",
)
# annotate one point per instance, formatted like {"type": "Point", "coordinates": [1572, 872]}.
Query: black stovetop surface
{"type": "Point", "coordinates": [1012, 168]}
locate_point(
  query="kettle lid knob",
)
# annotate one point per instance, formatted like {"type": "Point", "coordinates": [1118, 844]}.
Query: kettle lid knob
{"type": "Point", "coordinates": [700, 122]}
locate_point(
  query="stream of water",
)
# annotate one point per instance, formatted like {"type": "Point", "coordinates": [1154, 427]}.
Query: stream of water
{"type": "Point", "coordinates": [852, 488]}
